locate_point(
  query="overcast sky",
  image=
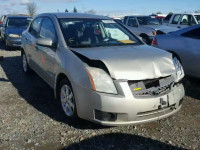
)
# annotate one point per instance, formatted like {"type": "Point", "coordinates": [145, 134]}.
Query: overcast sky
{"type": "Point", "coordinates": [104, 7]}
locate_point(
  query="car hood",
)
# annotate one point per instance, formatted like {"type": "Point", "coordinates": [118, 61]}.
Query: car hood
{"type": "Point", "coordinates": [132, 62]}
{"type": "Point", "coordinates": [163, 28]}
{"type": "Point", "coordinates": [17, 30]}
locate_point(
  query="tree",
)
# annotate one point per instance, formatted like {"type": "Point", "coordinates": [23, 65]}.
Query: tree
{"type": "Point", "coordinates": [90, 12]}
{"type": "Point", "coordinates": [197, 11]}
{"type": "Point", "coordinates": [66, 10]}
{"type": "Point", "coordinates": [170, 12]}
{"type": "Point", "coordinates": [75, 10]}
{"type": "Point", "coordinates": [32, 9]}
{"type": "Point", "coordinates": [159, 12]}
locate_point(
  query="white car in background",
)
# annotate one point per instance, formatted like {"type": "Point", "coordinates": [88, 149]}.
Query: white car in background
{"type": "Point", "coordinates": [185, 45]}
{"type": "Point", "coordinates": [182, 20]}
{"type": "Point", "coordinates": [146, 27]}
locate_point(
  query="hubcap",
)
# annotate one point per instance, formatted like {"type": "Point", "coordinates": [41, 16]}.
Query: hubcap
{"type": "Point", "coordinates": [24, 63]}
{"type": "Point", "coordinates": [67, 100]}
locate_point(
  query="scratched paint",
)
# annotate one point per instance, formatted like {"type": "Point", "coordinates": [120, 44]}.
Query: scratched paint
{"type": "Point", "coordinates": [42, 58]}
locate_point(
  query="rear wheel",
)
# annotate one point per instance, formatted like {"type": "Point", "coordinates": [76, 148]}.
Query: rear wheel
{"type": "Point", "coordinates": [25, 66]}
{"type": "Point", "coordinates": [67, 99]}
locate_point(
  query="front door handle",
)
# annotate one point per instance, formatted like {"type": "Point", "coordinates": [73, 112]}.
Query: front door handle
{"type": "Point", "coordinates": [37, 48]}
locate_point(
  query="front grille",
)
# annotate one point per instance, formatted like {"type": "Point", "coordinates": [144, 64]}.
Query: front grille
{"type": "Point", "coordinates": [151, 87]}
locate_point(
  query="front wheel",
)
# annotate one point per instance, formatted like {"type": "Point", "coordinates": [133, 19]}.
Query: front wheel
{"type": "Point", "coordinates": [67, 99]}
{"type": "Point", "coordinates": [7, 47]}
{"type": "Point", "coordinates": [146, 39]}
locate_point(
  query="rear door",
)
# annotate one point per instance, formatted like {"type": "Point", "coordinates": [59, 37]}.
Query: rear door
{"type": "Point", "coordinates": [187, 20]}
{"type": "Point", "coordinates": [191, 53]}
{"type": "Point", "coordinates": [47, 54]}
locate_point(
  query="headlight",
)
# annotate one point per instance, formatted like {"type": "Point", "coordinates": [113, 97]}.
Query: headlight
{"type": "Point", "coordinates": [179, 69]}
{"type": "Point", "coordinates": [14, 35]}
{"type": "Point", "coordinates": [100, 80]}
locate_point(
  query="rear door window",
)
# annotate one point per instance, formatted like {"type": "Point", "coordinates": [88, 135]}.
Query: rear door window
{"type": "Point", "coordinates": [187, 20]}
{"type": "Point", "coordinates": [197, 18]}
{"type": "Point", "coordinates": [176, 19]}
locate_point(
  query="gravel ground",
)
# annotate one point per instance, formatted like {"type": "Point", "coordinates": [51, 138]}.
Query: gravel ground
{"type": "Point", "coordinates": [30, 118]}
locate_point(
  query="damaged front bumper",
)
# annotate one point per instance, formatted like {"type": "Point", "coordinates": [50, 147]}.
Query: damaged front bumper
{"type": "Point", "coordinates": [126, 108]}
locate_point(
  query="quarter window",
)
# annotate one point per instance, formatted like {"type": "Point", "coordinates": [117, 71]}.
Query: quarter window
{"type": "Point", "coordinates": [48, 30]}
{"type": "Point", "coordinates": [176, 19]}
{"type": "Point", "coordinates": [35, 27]}
{"type": "Point", "coordinates": [193, 34]}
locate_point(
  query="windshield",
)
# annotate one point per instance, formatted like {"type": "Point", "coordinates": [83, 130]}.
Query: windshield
{"type": "Point", "coordinates": [18, 22]}
{"type": "Point", "coordinates": [197, 18]}
{"type": "Point", "coordinates": [148, 21]}
{"type": "Point", "coordinates": [95, 32]}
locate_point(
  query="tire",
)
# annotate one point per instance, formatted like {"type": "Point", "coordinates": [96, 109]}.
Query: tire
{"type": "Point", "coordinates": [66, 99]}
{"type": "Point", "coordinates": [6, 45]}
{"type": "Point", "coordinates": [146, 39]}
{"type": "Point", "coordinates": [25, 67]}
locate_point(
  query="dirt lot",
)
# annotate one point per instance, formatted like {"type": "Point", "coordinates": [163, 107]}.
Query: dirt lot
{"type": "Point", "coordinates": [30, 119]}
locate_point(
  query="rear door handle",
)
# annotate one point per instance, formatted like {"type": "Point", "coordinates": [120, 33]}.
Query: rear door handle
{"type": "Point", "coordinates": [179, 27]}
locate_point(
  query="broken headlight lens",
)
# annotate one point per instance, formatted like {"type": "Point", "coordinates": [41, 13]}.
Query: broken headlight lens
{"type": "Point", "coordinates": [100, 80]}
{"type": "Point", "coordinates": [179, 69]}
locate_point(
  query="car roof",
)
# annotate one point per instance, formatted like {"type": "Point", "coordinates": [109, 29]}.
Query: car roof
{"type": "Point", "coordinates": [75, 15]}
{"type": "Point", "coordinates": [186, 13]}
{"type": "Point", "coordinates": [138, 16]}
{"type": "Point", "coordinates": [18, 16]}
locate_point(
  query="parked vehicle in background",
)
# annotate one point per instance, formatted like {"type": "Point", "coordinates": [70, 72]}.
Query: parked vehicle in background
{"type": "Point", "coordinates": [182, 20]}
{"type": "Point", "coordinates": [118, 20]}
{"type": "Point", "coordinates": [159, 17]}
{"type": "Point", "coordinates": [107, 77]}
{"type": "Point", "coordinates": [2, 19]}
{"type": "Point", "coordinates": [146, 27]}
{"type": "Point", "coordinates": [185, 45]}
{"type": "Point", "coordinates": [12, 28]}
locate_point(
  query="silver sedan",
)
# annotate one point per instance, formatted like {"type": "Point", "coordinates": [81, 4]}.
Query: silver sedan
{"type": "Point", "coordinates": [185, 45]}
{"type": "Point", "coordinates": [100, 71]}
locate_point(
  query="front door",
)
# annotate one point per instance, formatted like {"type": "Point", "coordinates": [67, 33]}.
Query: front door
{"type": "Point", "coordinates": [47, 54]}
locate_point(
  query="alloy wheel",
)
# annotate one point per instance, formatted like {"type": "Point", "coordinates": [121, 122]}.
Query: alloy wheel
{"type": "Point", "coordinates": [67, 100]}
{"type": "Point", "coordinates": [24, 62]}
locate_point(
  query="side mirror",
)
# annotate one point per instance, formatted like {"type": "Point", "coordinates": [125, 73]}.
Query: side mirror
{"type": "Point", "coordinates": [44, 42]}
